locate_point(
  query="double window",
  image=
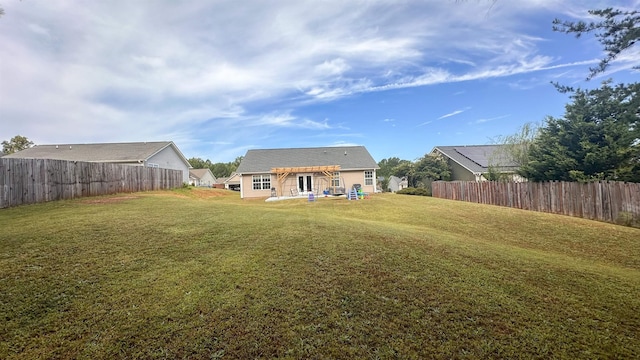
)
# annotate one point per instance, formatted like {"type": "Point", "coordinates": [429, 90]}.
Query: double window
{"type": "Point", "coordinates": [261, 182]}
{"type": "Point", "coordinates": [368, 177]}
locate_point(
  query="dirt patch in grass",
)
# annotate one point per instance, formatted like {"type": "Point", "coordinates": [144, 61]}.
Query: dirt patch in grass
{"type": "Point", "coordinates": [208, 193]}
{"type": "Point", "coordinates": [110, 200]}
{"type": "Point", "coordinates": [194, 193]}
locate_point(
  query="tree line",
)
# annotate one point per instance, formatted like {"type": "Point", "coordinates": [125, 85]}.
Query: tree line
{"type": "Point", "coordinates": [218, 169]}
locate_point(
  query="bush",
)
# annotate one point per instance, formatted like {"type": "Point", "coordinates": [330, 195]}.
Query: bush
{"type": "Point", "coordinates": [414, 191]}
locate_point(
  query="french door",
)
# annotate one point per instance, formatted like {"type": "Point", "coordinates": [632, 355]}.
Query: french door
{"type": "Point", "coordinates": [305, 183]}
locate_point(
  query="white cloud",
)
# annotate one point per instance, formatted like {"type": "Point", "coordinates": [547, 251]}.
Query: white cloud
{"type": "Point", "coordinates": [122, 70]}
{"type": "Point", "coordinates": [453, 113]}
{"type": "Point", "coordinates": [484, 120]}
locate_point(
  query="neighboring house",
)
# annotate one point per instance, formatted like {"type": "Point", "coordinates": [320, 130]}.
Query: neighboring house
{"type": "Point", "coordinates": [160, 154]}
{"type": "Point", "coordinates": [300, 171]}
{"type": "Point", "coordinates": [201, 177]}
{"type": "Point", "coordinates": [396, 183]}
{"type": "Point", "coordinates": [473, 162]}
{"type": "Point", "coordinates": [232, 182]}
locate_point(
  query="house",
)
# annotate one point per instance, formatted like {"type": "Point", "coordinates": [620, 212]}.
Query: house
{"type": "Point", "coordinates": [160, 154]}
{"type": "Point", "coordinates": [396, 183]}
{"type": "Point", "coordinates": [474, 162]}
{"type": "Point", "coordinates": [300, 171]}
{"type": "Point", "coordinates": [232, 182]}
{"type": "Point", "coordinates": [201, 177]}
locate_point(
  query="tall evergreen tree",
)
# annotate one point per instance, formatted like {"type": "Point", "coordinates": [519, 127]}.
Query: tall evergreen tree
{"type": "Point", "coordinates": [598, 138]}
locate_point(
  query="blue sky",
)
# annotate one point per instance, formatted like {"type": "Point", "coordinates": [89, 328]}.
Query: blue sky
{"type": "Point", "coordinates": [221, 77]}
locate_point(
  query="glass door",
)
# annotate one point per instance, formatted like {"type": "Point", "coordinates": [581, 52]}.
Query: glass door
{"type": "Point", "coordinates": [305, 183]}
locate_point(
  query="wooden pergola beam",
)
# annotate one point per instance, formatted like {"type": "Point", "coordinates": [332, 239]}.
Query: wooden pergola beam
{"type": "Point", "coordinates": [283, 172]}
{"type": "Point", "coordinates": [299, 169]}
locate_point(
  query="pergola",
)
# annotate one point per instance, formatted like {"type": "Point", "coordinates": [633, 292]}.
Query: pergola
{"type": "Point", "coordinates": [281, 173]}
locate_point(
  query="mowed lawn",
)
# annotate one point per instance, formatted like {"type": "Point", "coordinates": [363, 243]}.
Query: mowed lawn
{"type": "Point", "coordinates": [204, 274]}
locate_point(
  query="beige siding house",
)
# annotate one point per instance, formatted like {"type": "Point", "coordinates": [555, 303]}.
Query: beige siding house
{"type": "Point", "coordinates": [201, 177]}
{"type": "Point", "coordinates": [232, 182]}
{"type": "Point", "coordinates": [160, 154]}
{"type": "Point", "coordinates": [300, 171]}
{"type": "Point", "coordinates": [473, 162]}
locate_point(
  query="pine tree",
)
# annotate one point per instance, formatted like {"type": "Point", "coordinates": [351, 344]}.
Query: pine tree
{"type": "Point", "coordinates": [597, 139]}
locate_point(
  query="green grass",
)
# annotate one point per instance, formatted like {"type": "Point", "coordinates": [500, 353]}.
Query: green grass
{"type": "Point", "coordinates": [186, 274]}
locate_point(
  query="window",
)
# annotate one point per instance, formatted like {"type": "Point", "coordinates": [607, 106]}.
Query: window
{"type": "Point", "coordinates": [152, 165]}
{"type": "Point", "coordinates": [261, 182]}
{"type": "Point", "coordinates": [335, 180]}
{"type": "Point", "coordinates": [368, 177]}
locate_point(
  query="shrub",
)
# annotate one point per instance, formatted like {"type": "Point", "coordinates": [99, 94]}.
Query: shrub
{"type": "Point", "coordinates": [414, 191]}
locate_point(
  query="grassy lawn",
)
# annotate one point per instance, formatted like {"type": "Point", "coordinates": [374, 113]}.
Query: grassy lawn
{"type": "Point", "coordinates": [203, 274]}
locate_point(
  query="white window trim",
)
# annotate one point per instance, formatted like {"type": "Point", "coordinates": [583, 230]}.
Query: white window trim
{"type": "Point", "coordinates": [368, 178]}
{"type": "Point", "coordinates": [264, 179]}
{"type": "Point", "coordinates": [336, 177]}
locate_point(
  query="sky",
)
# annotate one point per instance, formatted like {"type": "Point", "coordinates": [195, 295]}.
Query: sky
{"type": "Point", "coordinates": [221, 77]}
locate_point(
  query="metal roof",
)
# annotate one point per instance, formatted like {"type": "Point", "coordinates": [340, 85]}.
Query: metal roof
{"type": "Point", "coordinates": [99, 152]}
{"type": "Point", "coordinates": [347, 157]}
{"type": "Point", "coordinates": [478, 158]}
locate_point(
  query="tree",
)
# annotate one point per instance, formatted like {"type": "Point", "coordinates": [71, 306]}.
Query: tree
{"type": "Point", "coordinates": [423, 171]}
{"type": "Point", "coordinates": [599, 136]}
{"type": "Point", "coordinates": [597, 139]}
{"type": "Point", "coordinates": [405, 168]}
{"type": "Point", "coordinates": [513, 151]}
{"type": "Point", "coordinates": [17, 143]}
{"type": "Point", "coordinates": [217, 169]}
{"type": "Point", "coordinates": [515, 147]}
{"type": "Point", "coordinates": [387, 166]}
{"type": "Point", "coordinates": [617, 31]}
{"type": "Point", "coordinates": [233, 166]}
{"type": "Point", "coordinates": [432, 167]}
{"type": "Point", "coordinates": [198, 163]}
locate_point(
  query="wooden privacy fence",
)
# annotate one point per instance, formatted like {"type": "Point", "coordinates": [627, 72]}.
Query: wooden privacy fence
{"type": "Point", "coordinates": [29, 181]}
{"type": "Point", "coordinates": [605, 201]}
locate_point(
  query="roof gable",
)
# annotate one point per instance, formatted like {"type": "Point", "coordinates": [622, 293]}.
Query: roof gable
{"type": "Point", "coordinates": [347, 157]}
{"type": "Point", "coordinates": [98, 152]}
{"type": "Point", "coordinates": [478, 158]}
{"type": "Point", "coordinates": [200, 173]}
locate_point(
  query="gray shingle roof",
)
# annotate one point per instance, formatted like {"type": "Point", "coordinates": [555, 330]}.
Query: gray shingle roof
{"type": "Point", "coordinates": [105, 152]}
{"type": "Point", "coordinates": [348, 157]}
{"type": "Point", "coordinates": [478, 158]}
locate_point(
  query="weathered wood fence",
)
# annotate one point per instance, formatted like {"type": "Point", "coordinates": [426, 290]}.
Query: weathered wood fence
{"type": "Point", "coordinates": [29, 181]}
{"type": "Point", "coordinates": [604, 201]}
